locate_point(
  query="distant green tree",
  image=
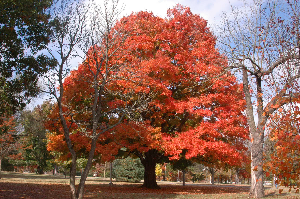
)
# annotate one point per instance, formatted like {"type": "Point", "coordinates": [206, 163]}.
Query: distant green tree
{"type": "Point", "coordinates": [197, 171]}
{"type": "Point", "coordinates": [182, 164]}
{"type": "Point", "coordinates": [128, 169]}
{"type": "Point", "coordinates": [34, 136]}
{"type": "Point", "coordinates": [6, 165]}
{"type": "Point", "coordinates": [24, 33]}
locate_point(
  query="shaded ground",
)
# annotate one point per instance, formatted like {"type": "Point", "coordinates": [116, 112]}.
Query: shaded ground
{"type": "Point", "coordinates": [33, 191]}
{"type": "Point", "coordinates": [31, 186]}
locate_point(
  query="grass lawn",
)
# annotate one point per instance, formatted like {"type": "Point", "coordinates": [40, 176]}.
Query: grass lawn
{"type": "Point", "coordinates": [33, 186]}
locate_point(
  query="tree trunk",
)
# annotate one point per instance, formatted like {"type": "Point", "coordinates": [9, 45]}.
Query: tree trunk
{"type": "Point", "coordinates": [84, 175]}
{"type": "Point", "coordinates": [237, 180]}
{"type": "Point", "coordinates": [72, 177]}
{"type": "Point", "coordinates": [54, 172]}
{"type": "Point", "coordinates": [149, 175]}
{"type": "Point", "coordinates": [183, 177]}
{"type": "Point", "coordinates": [257, 186]}
{"type": "Point", "coordinates": [256, 136]}
{"type": "Point", "coordinates": [165, 174]}
{"type": "Point", "coordinates": [110, 173]}
{"type": "Point", "coordinates": [0, 167]}
{"type": "Point", "coordinates": [212, 172]}
{"type": "Point", "coordinates": [149, 161]}
{"type": "Point", "coordinates": [104, 172]}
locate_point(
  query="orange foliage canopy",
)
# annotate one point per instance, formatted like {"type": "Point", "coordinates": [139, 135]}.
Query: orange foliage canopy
{"type": "Point", "coordinates": [285, 157]}
{"type": "Point", "coordinates": [171, 79]}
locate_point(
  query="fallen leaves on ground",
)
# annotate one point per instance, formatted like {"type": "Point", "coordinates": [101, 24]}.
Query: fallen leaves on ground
{"type": "Point", "coordinates": [33, 191]}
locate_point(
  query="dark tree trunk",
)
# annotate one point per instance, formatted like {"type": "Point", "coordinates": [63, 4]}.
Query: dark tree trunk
{"type": "Point", "coordinates": [237, 180]}
{"type": "Point", "coordinates": [149, 160]}
{"type": "Point", "coordinates": [212, 172]}
{"type": "Point", "coordinates": [149, 175]}
{"type": "Point", "coordinates": [39, 170]}
{"type": "Point", "coordinates": [84, 175]}
{"type": "Point", "coordinates": [0, 164]}
{"type": "Point", "coordinates": [183, 178]}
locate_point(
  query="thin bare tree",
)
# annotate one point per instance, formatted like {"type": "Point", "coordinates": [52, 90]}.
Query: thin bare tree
{"type": "Point", "coordinates": [84, 29]}
{"type": "Point", "coordinates": [261, 41]}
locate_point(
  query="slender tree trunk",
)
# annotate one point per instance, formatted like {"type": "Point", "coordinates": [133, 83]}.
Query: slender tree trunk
{"type": "Point", "coordinates": [73, 153]}
{"type": "Point", "coordinates": [212, 172]}
{"type": "Point", "coordinates": [0, 167]}
{"type": "Point", "coordinates": [80, 189]}
{"type": "Point", "coordinates": [54, 170]}
{"type": "Point", "coordinates": [183, 177]}
{"type": "Point", "coordinates": [72, 177]}
{"type": "Point", "coordinates": [70, 146]}
{"type": "Point", "coordinates": [66, 130]}
{"type": "Point", "coordinates": [149, 161]}
{"type": "Point", "coordinates": [237, 180]}
{"type": "Point", "coordinates": [110, 173]}
{"type": "Point", "coordinates": [104, 172]}
{"type": "Point", "coordinates": [165, 173]}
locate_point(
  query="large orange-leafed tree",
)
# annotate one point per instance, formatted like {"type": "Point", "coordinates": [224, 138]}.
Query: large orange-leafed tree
{"type": "Point", "coordinates": [196, 106]}
{"type": "Point", "coordinates": [183, 103]}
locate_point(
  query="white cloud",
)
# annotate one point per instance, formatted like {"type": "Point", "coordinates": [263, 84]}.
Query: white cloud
{"type": "Point", "coordinates": [210, 10]}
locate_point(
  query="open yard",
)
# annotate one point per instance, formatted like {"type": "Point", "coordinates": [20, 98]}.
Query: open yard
{"type": "Point", "coordinates": [32, 186]}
